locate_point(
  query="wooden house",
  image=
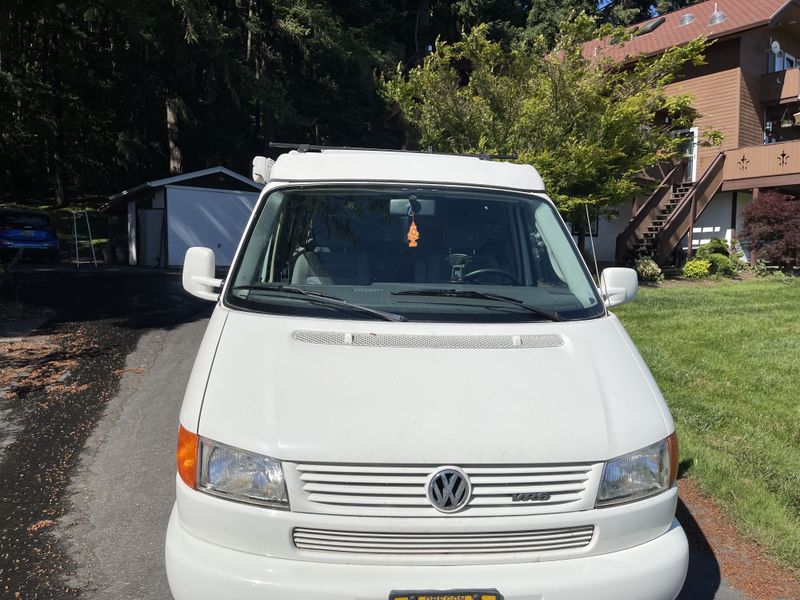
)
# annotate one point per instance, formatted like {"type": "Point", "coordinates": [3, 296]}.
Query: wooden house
{"type": "Point", "coordinates": [749, 90]}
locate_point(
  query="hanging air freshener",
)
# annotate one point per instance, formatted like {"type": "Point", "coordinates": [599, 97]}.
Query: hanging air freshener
{"type": "Point", "coordinates": [413, 233]}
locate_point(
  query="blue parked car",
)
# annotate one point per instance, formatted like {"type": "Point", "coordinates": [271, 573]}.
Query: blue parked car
{"type": "Point", "coordinates": [28, 230]}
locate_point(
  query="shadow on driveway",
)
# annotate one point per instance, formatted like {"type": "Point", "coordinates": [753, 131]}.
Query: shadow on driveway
{"type": "Point", "coordinates": [703, 579]}
{"type": "Point", "coordinates": [128, 297]}
{"type": "Point", "coordinates": [98, 317]}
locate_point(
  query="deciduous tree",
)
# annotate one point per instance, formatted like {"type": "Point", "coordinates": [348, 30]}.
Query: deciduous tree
{"type": "Point", "coordinates": [589, 126]}
{"type": "Point", "coordinates": [772, 228]}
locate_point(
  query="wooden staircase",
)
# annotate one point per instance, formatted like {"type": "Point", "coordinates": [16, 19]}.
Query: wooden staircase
{"type": "Point", "coordinates": [682, 218]}
{"type": "Point", "coordinates": [637, 239]}
{"type": "Point", "coordinates": [646, 246]}
{"type": "Point", "coordinates": [657, 227]}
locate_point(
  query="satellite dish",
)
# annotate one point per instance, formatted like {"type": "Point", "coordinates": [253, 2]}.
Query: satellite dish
{"type": "Point", "coordinates": [775, 47]}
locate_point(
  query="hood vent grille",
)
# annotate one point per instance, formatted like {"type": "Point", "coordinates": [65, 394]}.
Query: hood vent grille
{"type": "Point", "coordinates": [432, 342]}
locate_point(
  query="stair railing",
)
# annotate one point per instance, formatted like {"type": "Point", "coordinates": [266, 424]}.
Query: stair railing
{"type": "Point", "coordinates": [644, 216]}
{"type": "Point", "coordinates": [692, 204]}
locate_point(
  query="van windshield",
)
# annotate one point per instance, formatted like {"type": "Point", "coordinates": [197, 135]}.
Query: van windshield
{"type": "Point", "coordinates": [411, 254]}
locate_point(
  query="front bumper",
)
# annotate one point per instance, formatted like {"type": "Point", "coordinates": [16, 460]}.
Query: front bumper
{"type": "Point", "coordinates": [26, 244]}
{"type": "Point", "coordinates": [197, 569]}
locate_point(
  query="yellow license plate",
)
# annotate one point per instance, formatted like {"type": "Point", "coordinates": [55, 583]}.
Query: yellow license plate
{"type": "Point", "coordinates": [447, 595]}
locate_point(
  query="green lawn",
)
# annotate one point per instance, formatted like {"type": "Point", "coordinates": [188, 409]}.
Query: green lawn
{"type": "Point", "coordinates": [727, 358]}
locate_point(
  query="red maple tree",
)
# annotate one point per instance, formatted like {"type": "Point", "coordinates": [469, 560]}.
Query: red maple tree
{"type": "Point", "coordinates": [772, 227]}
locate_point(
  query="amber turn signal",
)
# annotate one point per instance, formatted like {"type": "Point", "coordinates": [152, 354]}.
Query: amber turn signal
{"type": "Point", "coordinates": [674, 457]}
{"type": "Point", "coordinates": [187, 457]}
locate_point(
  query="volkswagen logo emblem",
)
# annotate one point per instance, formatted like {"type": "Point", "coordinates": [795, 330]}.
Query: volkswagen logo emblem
{"type": "Point", "coordinates": [448, 489]}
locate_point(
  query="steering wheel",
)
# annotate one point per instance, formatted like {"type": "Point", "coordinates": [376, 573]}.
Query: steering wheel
{"type": "Point", "coordinates": [477, 273]}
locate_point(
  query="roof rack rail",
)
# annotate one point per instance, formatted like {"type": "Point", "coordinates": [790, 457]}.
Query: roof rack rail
{"type": "Point", "coordinates": [312, 148]}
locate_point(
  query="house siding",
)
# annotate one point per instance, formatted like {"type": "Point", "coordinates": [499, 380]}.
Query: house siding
{"type": "Point", "coordinates": [754, 48]}
{"type": "Point", "coordinates": [716, 99]}
{"type": "Point", "coordinates": [714, 88]}
{"type": "Point", "coordinates": [715, 221]}
{"type": "Point", "coordinates": [608, 228]}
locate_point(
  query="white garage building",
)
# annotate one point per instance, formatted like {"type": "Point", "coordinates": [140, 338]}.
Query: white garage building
{"type": "Point", "coordinates": [166, 217]}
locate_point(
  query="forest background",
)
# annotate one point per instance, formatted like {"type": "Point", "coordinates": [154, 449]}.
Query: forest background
{"type": "Point", "coordinates": [100, 95]}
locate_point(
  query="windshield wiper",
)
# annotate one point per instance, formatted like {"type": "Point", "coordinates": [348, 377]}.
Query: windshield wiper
{"type": "Point", "coordinates": [320, 297]}
{"type": "Point", "coordinates": [544, 314]}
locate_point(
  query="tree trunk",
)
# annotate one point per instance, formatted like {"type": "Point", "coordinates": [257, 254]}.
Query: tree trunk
{"type": "Point", "coordinates": [249, 32]}
{"type": "Point", "coordinates": [267, 123]}
{"type": "Point", "coordinates": [421, 30]}
{"type": "Point", "coordinates": [59, 184]}
{"type": "Point", "coordinates": [580, 227]}
{"type": "Point", "coordinates": [175, 154]}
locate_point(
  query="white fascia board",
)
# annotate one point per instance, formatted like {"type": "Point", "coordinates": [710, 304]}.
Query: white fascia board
{"type": "Point", "coordinates": [210, 171]}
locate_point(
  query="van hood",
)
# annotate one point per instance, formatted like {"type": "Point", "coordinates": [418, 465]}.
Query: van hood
{"type": "Point", "coordinates": [430, 393]}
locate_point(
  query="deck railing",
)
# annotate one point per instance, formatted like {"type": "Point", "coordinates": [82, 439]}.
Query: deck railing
{"type": "Point", "coordinates": [782, 158]}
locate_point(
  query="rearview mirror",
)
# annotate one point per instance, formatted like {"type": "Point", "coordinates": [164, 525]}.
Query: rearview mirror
{"type": "Point", "coordinates": [618, 285]}
{"type": "Point", "coordinates": [404, 206]}
{"type": "Point", "coordinates": [199, 268]}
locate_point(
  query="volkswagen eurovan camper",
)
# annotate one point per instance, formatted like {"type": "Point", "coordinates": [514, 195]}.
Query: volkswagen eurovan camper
{"type": "Point", "coordinates": [411, 388]}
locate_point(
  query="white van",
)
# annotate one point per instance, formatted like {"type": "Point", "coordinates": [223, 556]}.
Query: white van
{"type": "Point", "coordinates": [411, 388]}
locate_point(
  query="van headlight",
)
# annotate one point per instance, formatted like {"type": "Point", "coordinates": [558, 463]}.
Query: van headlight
{"type": "Point", "coordinates": [639, 474]}
{"type": "Point", "coordinates": [241, 476]}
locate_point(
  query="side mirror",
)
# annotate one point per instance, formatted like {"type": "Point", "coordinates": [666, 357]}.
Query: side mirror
{"type": "Point", "coordinates": [618, 285]}
{"type": "Point", "coordinates": [199, 268]}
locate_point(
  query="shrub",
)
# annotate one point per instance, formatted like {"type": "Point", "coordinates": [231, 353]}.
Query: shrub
{"type": "Point", "coordinates": [721, 265]}
{"type": "Point", "coordinates": [738, 261]}
{"type": "Point", "coordinates": [761, 268]}
{"type": "Point", "coordinates": [697, 268]}
{"type": "Point", "coordinates": [772, 228]}
{"type": "Point", "coordinates": [648, 270]}
{"type": "Point", "coordinates": [715, 246]}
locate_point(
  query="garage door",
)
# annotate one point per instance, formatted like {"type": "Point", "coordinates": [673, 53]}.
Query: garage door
{"type": "Point", "coordinates": [204, 217]}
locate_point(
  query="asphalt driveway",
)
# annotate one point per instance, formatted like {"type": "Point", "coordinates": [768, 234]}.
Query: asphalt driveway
{"type": "Point", "coordinates": [119, 489]}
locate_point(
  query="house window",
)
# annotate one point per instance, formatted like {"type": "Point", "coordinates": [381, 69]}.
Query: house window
{"type": "Point", "coordinates": [594, 224]}
{"type": "Point", "coordinates": [781, 61]}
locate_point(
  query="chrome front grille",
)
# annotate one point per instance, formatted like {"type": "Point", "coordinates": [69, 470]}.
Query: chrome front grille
{"type": "Point", "coordinates": [364, 542]}
{"type": "Point", "coordinates": [389, 490]}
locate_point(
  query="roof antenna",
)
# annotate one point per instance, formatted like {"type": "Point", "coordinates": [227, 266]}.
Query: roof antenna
{"type": "Point", "coordinates": [591, 241]}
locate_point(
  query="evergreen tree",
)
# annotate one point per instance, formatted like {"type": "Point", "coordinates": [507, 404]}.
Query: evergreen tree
{"type": "Point", "coordinates": [100, 95]}
{"type": "Point", "coordinates": [628, 12]}
{"type": "Point", "coordinates": [545, 16]}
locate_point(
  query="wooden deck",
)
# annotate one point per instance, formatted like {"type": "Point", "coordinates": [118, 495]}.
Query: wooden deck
{"type": "Point", "coordinates": [763, 166]}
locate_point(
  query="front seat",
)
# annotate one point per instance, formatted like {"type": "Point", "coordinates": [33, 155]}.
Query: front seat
{"type": "Point", "coordinates": [308, 270]}
{"type": "Point", "coordinates": [459, 236]}
{"type": "Point", "coordinates": [331, 266]}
